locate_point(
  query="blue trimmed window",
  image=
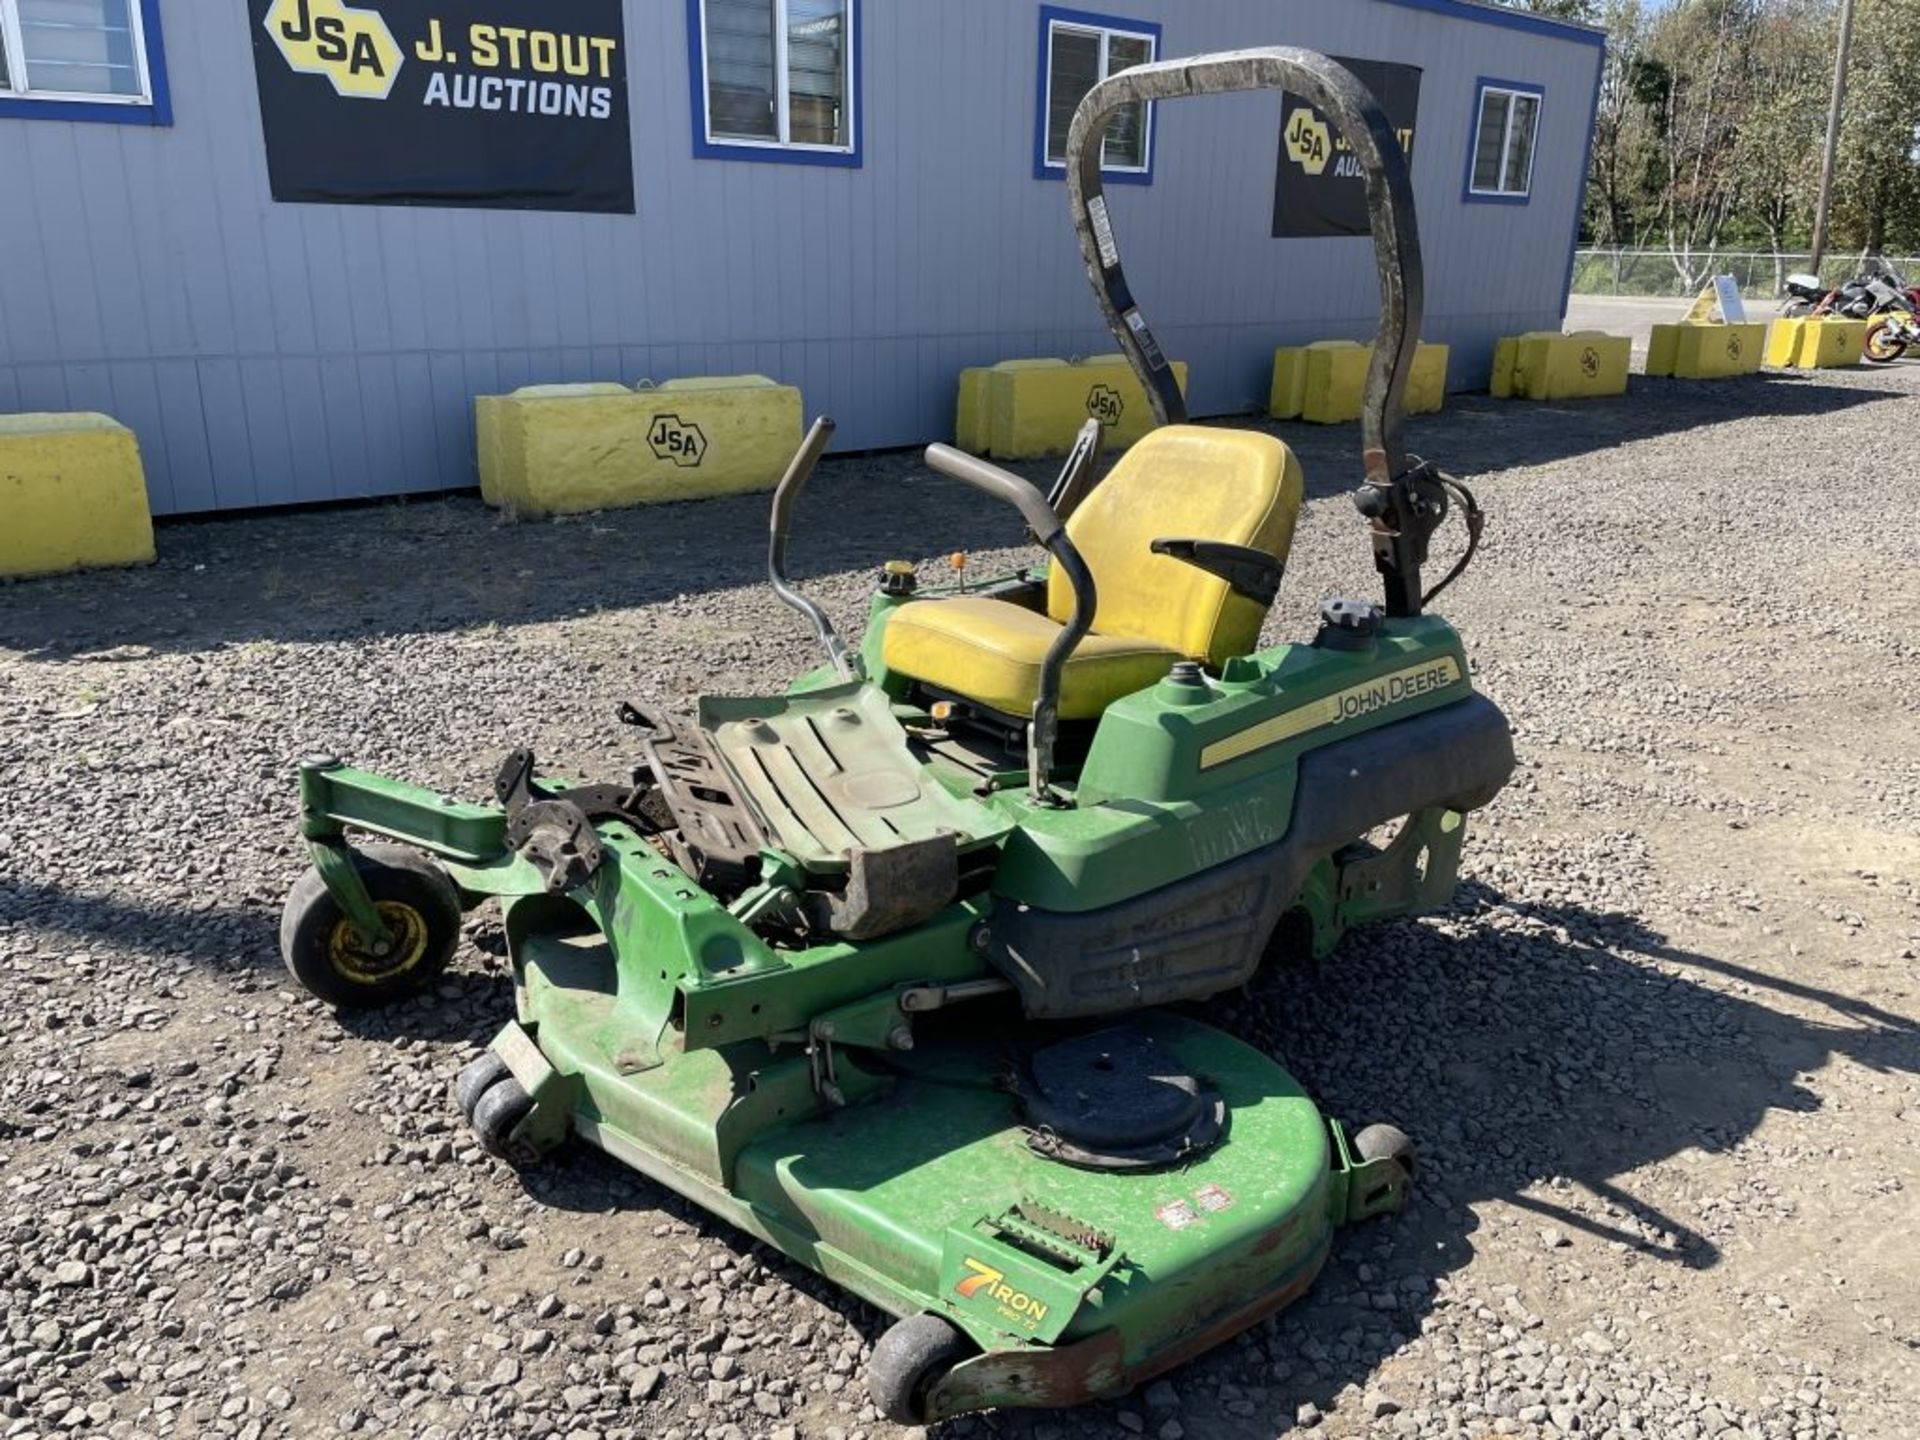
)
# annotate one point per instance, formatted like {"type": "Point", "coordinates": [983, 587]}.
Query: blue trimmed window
{"type": "Point", "coordinates": [1506, 121]}
{"type": "Point", "coordinates": [1077, 51]}
{"type": "Point", "coordinates": [83, 60]}
{"type": "Point", "coordinates": [775, 80]}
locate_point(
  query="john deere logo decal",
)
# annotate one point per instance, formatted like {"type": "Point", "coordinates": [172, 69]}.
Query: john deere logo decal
{"type": "Point", "coordinates": [353, 48]}
{"type": "Point", "coordinates": [1105, 405]}
{"type": "Point", "coordinates": [677, 440]}
{"type": "Point", "coordinates": [1353, 703]}
{"type": "Point", "coordinates": [983, 1282]}
{"type": "Point", "coordinates": [1590, 362]}
{"type": "Point", "coordinates": [1733, 345]}
{"type": "Point", "coordinates": [1309, 142]}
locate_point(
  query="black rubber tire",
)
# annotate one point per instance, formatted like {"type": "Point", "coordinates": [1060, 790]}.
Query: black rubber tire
{"type": "Point", "coordinates": [322, 952]}
{"type": "Point", "coordinates": [503, 1105]}
{"type": "Point", "coordinates": [908, 1361]}
{"type": "Point", "coordinates": [1387, 1142]}
{"type": "Point", "coordinates": [476, 1079]}
{"type": "Point", "coordinates": [1888, 354]}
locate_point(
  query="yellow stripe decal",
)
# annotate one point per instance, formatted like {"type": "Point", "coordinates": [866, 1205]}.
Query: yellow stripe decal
{"type": "Point", "coordinates": [1349, 704]}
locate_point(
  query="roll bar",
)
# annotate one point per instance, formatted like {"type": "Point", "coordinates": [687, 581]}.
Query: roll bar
{"type": "Point", "coordinates": [1403, 504]}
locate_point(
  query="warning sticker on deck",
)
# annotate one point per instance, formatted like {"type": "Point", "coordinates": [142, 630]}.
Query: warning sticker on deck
{"type": "Point", "coordinates": [1176, 1214]}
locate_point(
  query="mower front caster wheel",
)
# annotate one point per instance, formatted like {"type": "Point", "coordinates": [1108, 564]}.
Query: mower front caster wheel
{"type": "Point", "coordinates": [908, 1361]}
{"type": "Point", "coordinates": [498, 1113]}
{"type": "Point", "coordinates": [1386, 1142]}
{"type": "Point", "coordinates": [478, 1077]}
{"type": "Point", "coordinates": [325, 952]}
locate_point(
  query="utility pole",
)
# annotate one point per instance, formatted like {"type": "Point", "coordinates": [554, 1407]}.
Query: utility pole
{"type": "Point", "coordinates": [1824, 203]}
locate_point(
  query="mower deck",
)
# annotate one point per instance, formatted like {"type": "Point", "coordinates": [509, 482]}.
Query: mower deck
{"type": "Point", "coordinates": [923, 1193]}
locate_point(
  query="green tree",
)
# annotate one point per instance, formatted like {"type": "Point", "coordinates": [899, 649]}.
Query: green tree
{"type": "Point", "coordinates": [1876, 191]}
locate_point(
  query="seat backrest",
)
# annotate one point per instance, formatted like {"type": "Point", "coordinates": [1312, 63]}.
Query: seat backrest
{"type": "Point", "coordinates": [1182, 482]}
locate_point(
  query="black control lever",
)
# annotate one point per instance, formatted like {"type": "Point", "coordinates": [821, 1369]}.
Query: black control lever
{"type": "Point", "coordinates": [1249, 572]}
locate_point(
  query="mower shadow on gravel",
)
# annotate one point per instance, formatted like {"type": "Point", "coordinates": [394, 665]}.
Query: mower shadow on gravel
{"type": "Point", "coordinates": [231, 938]}
{"type": "Point", "coordinates": [1542, 1053]}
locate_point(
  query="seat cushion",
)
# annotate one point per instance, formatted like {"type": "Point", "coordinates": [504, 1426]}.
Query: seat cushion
{"type": "Point", "coordinates": [1198, 482]}
{"type": "Point", "coordinates": [989, 651]}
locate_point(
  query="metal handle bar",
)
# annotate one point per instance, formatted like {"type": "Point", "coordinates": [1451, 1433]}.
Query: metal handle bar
{"type": "Point", "coordinates": [1044, 724]}
{"type": "Point", "coordinates": [1396, 241]}
{"type": "Point", "coordinates": [785, 496]}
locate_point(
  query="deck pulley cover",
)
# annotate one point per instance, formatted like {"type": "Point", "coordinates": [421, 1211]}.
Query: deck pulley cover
{"type": "Point", "coordinates": [1114, 1100]}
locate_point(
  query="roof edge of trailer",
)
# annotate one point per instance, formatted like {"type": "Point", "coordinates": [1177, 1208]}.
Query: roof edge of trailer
{"type": "Point", "coordinates": [1489, 13]}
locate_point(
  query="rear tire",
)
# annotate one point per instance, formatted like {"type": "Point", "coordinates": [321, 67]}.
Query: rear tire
{"type": "Point", "coordinates": [324, 952]}
{"type": "Point", "coordinates": [1883, 346]}
{"type": "Point", "coordinates": [908, 1361]}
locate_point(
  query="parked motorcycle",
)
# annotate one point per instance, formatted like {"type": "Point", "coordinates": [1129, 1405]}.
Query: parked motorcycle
{"type": "Point", "coordinates": [1890, 336]}
{"type": "Point", "coordinates": [1877, 293]}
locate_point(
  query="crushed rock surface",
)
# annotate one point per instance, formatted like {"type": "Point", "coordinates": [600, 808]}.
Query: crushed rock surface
{"type": "Point", "coordinates": [1661, 1054]}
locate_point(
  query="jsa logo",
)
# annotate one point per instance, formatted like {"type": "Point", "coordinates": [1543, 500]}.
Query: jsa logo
{"type": "Point", "coordinates": [353, 48]}
{"type": "Point", "coordinates": [1309, 142]}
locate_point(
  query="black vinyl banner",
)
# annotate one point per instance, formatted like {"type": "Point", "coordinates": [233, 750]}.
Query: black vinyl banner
{"type": "Point", "coordinates": [494, 104]}
{"type": "Point", "coordinates": [1320, 190]}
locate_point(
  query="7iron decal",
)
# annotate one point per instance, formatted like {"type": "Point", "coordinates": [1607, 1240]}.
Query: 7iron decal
{"type": "Point", "coordinates": [986, 1282]}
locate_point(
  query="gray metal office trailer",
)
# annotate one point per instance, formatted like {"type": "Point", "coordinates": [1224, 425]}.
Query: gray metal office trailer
{"type": "Point", "coordinates": [854, 196]}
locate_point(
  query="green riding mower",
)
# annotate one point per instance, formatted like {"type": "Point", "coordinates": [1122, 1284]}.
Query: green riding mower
{"type": "Point", "coordinates": [887, 970]}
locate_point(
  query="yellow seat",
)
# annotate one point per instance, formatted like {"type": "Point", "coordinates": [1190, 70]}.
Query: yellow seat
{"type": "Point", "coordinates": [1180, 482]}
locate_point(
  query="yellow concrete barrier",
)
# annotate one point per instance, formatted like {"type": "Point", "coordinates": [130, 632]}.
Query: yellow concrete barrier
{"type": "Point", "coordinates": [73, 494]}
{"type": "Point", "coordinates": [1324, 382]}
{"type": "Point", "coordinates": [1823, 343]}
{"type": "Point", "coordinates": [1024, 409]}
{"type": "Point", "coordinates": [558, 449]}
{"type": "Point", "coordinates": [1546, 365]}
{"type": "Point", "coordinates": [973, 416]}
{"type": "Point", "coordinates": [487, 410]}
{"type": "Point", "coordinates": [1692, 351]}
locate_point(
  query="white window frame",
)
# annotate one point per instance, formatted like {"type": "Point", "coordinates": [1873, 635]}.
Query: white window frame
{"type": "Point", "coordinates": [1511, 93]}
{"type": "Point", "coordinates": [782, 95]}
{"type": "Point", "coordinates": [13, 67]}
{"type": "Point", "coordinates": [1106, 34]}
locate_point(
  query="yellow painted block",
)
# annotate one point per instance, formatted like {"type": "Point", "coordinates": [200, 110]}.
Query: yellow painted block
{"type": "Point", "coordinates": [1288, 389]}
{"type": "Point", "coordinates": [1036, 408]}
{"type": "Point", "coordinates": [1546, 365]}
{"type": "Point", "coordinates": [596, 447]}
{"type": "Point", "coordinates": [1506, 352]}
{"type": "Point", "coordinates": [1706, 352]}
{"type": "Point", "coordinates": [1427, 384]}
{"type": "Point", "coordinates": [973, 416]}
{"type": "Point", "coordinates": [1338, 381]}
{"type": "Point", "coordinates": [1808, 343]}
{"type": "Point", "coordinates": [73, 494]}
{"type": "Point", "coordinates": [487, 410]}
{"type": "Point", "coordinates": [1662, 344]}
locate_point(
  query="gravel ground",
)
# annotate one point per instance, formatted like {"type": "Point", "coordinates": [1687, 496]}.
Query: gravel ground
{"type": "Point", "coordinates": [1661, 1054]}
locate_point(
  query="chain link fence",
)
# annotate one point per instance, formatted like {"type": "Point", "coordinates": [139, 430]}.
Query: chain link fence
{"type": "Point", "coordinates": [1759, 273]}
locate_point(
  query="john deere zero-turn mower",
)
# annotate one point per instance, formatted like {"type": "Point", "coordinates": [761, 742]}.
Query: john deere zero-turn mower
{"type": "Point", "coordinates": [885, 970]}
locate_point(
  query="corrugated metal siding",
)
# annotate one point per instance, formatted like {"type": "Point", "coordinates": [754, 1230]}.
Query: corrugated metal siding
{"type": "Point", "coordinates": [269, 353]}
